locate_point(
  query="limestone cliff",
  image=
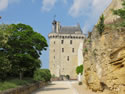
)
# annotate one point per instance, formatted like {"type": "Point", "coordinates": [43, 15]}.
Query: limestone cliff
{"type": "Point", "coordinates": [109, 17]}
{"type": "Point", "coordinates": [104, 60]}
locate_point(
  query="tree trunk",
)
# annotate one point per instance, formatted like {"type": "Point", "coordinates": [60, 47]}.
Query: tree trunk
{"type": "Point", "coordinates": [21, 75]}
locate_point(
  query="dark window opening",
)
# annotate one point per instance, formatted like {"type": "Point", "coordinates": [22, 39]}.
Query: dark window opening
{"type": "Point", "coordinates": [62, 41]}
{"type": "Point", "coordinates": [73, 50]}
{"type": "Point", "coordinates": [70, 41]}
{"type": "Point", "coordinates": [62, 49]}
{"type": "Point", "coordinates": [67, 58]}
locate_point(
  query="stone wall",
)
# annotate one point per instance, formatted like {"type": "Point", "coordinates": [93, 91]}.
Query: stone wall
{"type": "Point", "coordinates": [59, 63]}
{"type": "Point", "coordinates": [28, 89]}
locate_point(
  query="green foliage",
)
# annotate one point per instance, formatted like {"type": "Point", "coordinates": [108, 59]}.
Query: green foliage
{"type": "Point", "coordinates": [53, 76]}
{"type": "Point", "coordinates": [15, 83]}
{"type": "Point", "coordinates": [101, 26]}
{"type": "Point", "coordinates": [20, 50]}
{"type": "Point", "coordinates": [89, 41]}
{"type": "Point", "coordinates": [121, 13]}
{"type": "Point", "coordinates": [42, 75]}
{"type": "Point", "coordinates": [79, 69]}
{"type": "Point", "coordinates": [5, 65]}
{"type": "Point", "coordinates": [85, 50]}
{"type": "Point", "coordinates": [25, 48]}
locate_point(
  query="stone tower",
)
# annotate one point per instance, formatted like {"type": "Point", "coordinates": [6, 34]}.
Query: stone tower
{"type": "Point", "coordinates": [64, 45]}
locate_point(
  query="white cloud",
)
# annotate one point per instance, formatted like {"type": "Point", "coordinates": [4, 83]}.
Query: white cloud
{"type": "Point", "coordinates": [79, 7]}
{"type": "Point", "coordinates": [92, 8]}
{"type": "Point", "coordinates": [47, 5]}
{"type": "Point", "coordinates": [4, 3]}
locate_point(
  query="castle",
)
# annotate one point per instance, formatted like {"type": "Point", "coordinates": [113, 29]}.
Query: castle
{"type": "Point", "coordinates": [65, 44]}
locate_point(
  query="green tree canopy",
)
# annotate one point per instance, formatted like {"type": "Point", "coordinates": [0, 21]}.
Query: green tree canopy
{"type": "Point", "coordinates": [5, 65]}
{"type": "Point", "coordinates": [23, 48]}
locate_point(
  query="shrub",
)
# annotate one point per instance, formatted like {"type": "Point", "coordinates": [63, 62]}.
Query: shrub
{"type": "Point", "coordinates": [80, 83]}
{"type": "Point", "coordinates": [42, 75]}
{"type": "Point", "coordinates": [53, 76]}
{"type": "Point", "coordinates": [14, 82]}
{"type": "Point", "coordinates": [101, 25]}
{"type": "Point", "coordinates": [121, 13]}
{"type": "Point", "coordinates": [79, 69]}
{"type": "Point", "coordinates": [85, 50]}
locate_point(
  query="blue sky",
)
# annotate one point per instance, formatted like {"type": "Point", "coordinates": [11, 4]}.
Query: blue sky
{"type": "Point", "coordinates": [40, 13]}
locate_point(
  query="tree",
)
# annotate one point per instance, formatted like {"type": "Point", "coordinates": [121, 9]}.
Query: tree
{"type": "Point", "coordinates": [42, 75]}
{"type": "Point", "coordinates": [101, 25]}
{"type": "Point", "coordinates": [24, 48]}
{"type": "Point", "coordinates": [5, 65]}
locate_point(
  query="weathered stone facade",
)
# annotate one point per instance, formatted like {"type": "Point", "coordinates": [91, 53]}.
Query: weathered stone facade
{"type": "Point", "coordinates": [64, 44]}
{"type": "Point", "coordinates": [104, 60]}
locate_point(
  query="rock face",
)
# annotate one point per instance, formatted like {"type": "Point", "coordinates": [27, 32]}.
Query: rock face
{"type": "Point", "coordinates": [109, 17]}
{"type": "Point", "coordinates": [104, 56]}
{"type": "Point", "coordinates": [104, 61]}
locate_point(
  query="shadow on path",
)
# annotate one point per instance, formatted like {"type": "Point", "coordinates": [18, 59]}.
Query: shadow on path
{"type": "Point", "coordinates": [51, 89]}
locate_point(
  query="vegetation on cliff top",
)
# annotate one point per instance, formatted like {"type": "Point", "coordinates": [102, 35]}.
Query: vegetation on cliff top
{"type": "Point", "coordinates": [100, 25]}
{"type": "Point", "coordinates": [121, 13]}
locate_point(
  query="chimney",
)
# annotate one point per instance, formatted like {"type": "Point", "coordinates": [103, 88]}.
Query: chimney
{"type": "Point", "coordinates": [56, 26]}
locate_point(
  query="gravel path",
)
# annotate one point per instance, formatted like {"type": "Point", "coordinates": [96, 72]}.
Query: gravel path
{"type": "Point", "coordinates": [58, 87]}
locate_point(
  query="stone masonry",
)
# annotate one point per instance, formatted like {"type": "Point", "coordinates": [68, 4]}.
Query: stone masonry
{"type": "Point", "coordinates": [64, 45]}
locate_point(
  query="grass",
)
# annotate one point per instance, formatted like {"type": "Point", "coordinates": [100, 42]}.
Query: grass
{"type": "Point", "coordinates": [13, 83]}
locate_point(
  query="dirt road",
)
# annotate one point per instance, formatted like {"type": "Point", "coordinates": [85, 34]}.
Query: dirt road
{"type": "Point", "coordinates": [58, 87]}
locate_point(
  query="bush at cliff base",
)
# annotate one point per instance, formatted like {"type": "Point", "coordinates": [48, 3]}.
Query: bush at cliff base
{"type": "Point", "coordinates": [42, 75]}
{"type": "Point", "coordinates": [79, 69]}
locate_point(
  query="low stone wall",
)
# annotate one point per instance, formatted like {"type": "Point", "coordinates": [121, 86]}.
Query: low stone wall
{"type": "Point", "coordinates": [25, 89]}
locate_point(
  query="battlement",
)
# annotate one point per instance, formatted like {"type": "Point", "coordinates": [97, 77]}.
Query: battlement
{"type": "Point", "coordinates": [66, 36]}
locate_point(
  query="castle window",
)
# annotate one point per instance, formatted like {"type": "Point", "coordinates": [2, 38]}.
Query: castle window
{"type": "Point", "coordinates": [67, 58]}
{"type": "Point", "coordinates": [70, 41]}
{"type": "Point", "coordinates": [54, 57]}
{"type": "Point", "coordinates": [73, 50]}
{"type": "Point", "coordinates": [62, 41]}
{"type": "Point", "coordinates": [54, 42]}
{"type": "Point", "coordinates": [62, 49]}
